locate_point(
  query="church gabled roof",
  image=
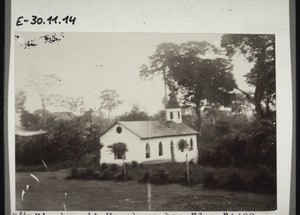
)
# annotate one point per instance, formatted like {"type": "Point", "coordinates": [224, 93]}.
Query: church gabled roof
{"type": "Point", "coordinates": [152, 129]}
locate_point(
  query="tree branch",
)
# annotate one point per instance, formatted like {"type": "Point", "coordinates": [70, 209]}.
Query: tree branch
{"type": "Point", "coordinates": [248, 96]}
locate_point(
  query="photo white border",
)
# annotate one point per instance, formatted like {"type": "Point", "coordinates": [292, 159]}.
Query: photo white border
{"type": "Point", "coordinates": [174, 16]}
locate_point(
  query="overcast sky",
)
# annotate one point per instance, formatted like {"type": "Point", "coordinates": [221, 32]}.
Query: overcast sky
{"type": "Point", "coordinates": [88, 63]}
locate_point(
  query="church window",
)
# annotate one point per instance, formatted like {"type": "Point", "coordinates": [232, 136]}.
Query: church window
{"type": "Point", "coordinates": [147, 150]}
{"type": "Point", "coordinates": [160, 149]}
{"type": "Point", "coordinates": [171, 115]}
{"type": "Point", "coordinates": [178, 115]}
{"type": "Point", "coordinates": [119, 130]}
{"type": "Point", "coordinates": [119, 157]}
{"type": "Point", "coordinates": [191, 144]}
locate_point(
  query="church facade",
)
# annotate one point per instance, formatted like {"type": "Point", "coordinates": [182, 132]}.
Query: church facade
{"type": "Point", "coordinates": [152, 141]}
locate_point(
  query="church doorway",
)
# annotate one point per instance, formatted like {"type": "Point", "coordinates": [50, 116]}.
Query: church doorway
{"type": "Point", "coordinates": [172, 151]}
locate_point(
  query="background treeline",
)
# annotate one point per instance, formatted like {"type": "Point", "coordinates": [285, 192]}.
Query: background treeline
{"type": "Point", "coordinates": [228, 139]}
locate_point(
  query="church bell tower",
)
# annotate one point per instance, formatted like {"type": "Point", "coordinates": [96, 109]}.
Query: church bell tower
{"type": "Point", "coordinates": [173, 109]}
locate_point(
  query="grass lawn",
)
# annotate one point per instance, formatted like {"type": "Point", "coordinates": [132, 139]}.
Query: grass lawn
{"type": "Point", "coordinates": [93, 195]}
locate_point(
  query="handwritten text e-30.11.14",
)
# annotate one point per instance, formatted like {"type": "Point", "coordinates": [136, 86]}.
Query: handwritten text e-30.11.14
{"type": "Point", "coordinates": [51, 20]}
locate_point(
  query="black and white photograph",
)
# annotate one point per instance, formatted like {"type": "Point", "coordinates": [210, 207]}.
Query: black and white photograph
{"type": "Point", "coordinates": [145, 121]}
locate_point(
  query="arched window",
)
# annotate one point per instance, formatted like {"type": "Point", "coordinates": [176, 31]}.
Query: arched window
{"type": "Point", "coordinates": [171, 115]}
{"type": "Point", "coordinates": [160, 149]}
{"type": "Point", "coordinates": [191, 144]}
{"type": "Point", "coordinates": [147, 150]}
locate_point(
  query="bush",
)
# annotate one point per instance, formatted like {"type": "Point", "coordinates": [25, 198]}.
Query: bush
{"type": "Point", "coordinates": [120, 176]}
{"type": "Point", "coordinates": [107, 175]}
{"type": "Point", "coordinates": [74, 172]}
{"type": "Point", "coordinates": [84, 174]}
{"type": "Point", "coordinates": [158, 176]}
{"type": "Point", "coordinates": [114, 167]}
{"type": "Point", "coordinates": [90, 172]}
{"type": "Point", "coordinates": [210, 179]}
{"type": "Point", "coordinates": [145, 177]}
{"type": "Point", "coordinates": [234, 180]}
{"type": "Point", "coordinates": [104, 166]}
{"type": "Point", "coordinates": [161, 176]}
{"type": "Point", "coordinates": [127, 165]}
{"type": "Point", "coordinates": [134, 164]}
{"type": "Point", "coordinates": [264, 180]}
{"type": "Point", "coordinates": [184, 178]}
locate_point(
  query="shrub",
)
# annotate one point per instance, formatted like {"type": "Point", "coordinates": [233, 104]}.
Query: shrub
{"type": "Point", "coordinates": [127, 165]}
{"type": "Point", "coordinates": [90, 171]}
{"type": "Point", "coordinates": [158, 176]}
{"type": "Point", "coordinates": [234, 180]}
{"type": "Point", "coordinates": [120, 176]}
{"type": "Point", "coordinates": [210, 179]}
{"type": "Point", "coordinates": [161, 176]}
{"type": "Point", "coordinates": [184, 177]}
{"type": "Point", "coordinates": [134, 164]}
{"type": "Point", "coordinates": [264, 180]}
{"type": "Point", "coordinates": [104, 166]}
{"type": "Point", "coordinates": [87, 173]}
{"type": "Point", "coordinates": [141, 165]}
{"type": "Point", "coordinates": [145, 177]}
{"type": "Point", "coordinates": [114, 167]}
{"type": "Point", "coordinates": [73, 172]}
{"type": "Point", "coordinates": [107, 175]}
{"type": "Point", "coordinates": [191, 162]}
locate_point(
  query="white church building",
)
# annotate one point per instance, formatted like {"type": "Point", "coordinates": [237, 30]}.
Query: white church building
{"type": "Point", "coordinates": [151, 141]}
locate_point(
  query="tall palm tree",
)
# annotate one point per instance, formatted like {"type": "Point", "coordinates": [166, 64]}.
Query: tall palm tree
{"type": "Point", "coordinates": [183, 146]}
{"type": "Point", "coordinates": [119, 150]}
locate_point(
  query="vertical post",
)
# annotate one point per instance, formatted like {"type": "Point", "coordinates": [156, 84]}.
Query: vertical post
{"type": "Point", "coordinates": [149, 191]}
{"type": "Point", "coordinates": [187, 168]}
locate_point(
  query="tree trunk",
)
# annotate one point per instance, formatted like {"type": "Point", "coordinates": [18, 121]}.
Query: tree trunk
{"type": "Point", "coordinates": [187, 169]}
{"type": "Point", "coordinates": [258, 109]}
{"type": "Point", "coordinates": [44, 114]}
{"type": "Point", "coordinates": [165, 83]}
{"type": "Point", "coordinates": [199, 122]}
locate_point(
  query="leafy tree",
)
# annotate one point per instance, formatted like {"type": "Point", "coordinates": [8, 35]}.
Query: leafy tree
{"type": "Point", "coordinates": [134, 115]}
{"type": "Point", "coordinates": [119, 150]}
{"type": "Point", "coordinates": [260, 50]}
{"type": "Point", "coordinates": [70, 103]}
{"type": "Point", "coordinates": [20, 99]}
{"type": "Point", "coordinates": [44, 87]}
{"type": "Point", "coordinates": [198, 78]}
{"type": "Point", "coordinates": [160, 64]}
{"type": "Point", "coordinates": [159, 116]}
{"type": "Point", "coordinates": [212, 111]}
{"type": "Point", "coordinates": [30, 121]}
{"type": "Point", "coordinates": [183, 146]}
{"type": "Point", "coordinates": [109, 100]}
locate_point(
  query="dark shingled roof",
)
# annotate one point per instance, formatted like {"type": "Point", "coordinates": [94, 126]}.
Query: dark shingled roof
{"type": "Point", "coordinates": [151, 129]}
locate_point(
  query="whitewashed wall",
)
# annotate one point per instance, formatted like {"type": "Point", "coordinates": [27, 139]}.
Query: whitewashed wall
{"type": "Point", "coordinates": [166, 143]}
{"type": "Point", "coordinates": [132, 141]}
{"type": "Point", "coordinates": [137, 147]}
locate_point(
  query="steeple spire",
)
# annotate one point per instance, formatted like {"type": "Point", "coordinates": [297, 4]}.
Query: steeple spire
{"type": "Point", "coordinates": [173, 109]}
{"type": "Point", "coordinates": [173, 102]}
